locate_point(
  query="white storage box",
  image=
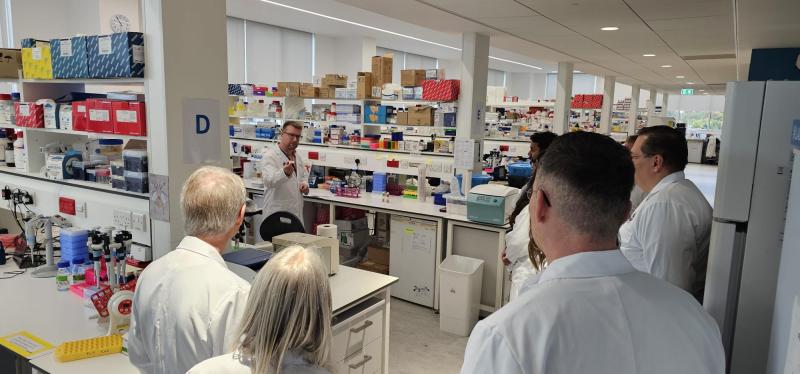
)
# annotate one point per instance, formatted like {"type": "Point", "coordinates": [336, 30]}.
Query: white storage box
{"type": "Point", "coordinates": [460, 294]}
{"type": "Point", "coordinates": [456, 204]}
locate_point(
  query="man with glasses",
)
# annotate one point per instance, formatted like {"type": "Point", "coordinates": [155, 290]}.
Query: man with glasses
{"type": "Point", "coordinates": [591, 311]}
{"type": "Point", "coordinates": [668, 234]}
{"type": "Point", "coordinates": [285, 173]}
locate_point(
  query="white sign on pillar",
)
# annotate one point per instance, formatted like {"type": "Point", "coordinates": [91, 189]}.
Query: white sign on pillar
{"type": "Point", "coordinates": [201, 131]}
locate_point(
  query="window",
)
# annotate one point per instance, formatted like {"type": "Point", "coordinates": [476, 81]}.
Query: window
{"type": "Point", "coordinates": [264, 54]}
{"type": "Point", "coordinates": [496, 78]}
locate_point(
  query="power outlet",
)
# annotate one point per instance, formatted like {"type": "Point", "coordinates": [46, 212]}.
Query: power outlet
{"type": "Point", "coordinates": [122, 219]}
{"type": "Point", "coordinates": [80, 209]}
{"type": "Point", "coordinates": [138, 222]}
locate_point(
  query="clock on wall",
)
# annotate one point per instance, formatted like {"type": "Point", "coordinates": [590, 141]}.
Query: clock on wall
{"type": "Point", "coordinates": [120, 23]}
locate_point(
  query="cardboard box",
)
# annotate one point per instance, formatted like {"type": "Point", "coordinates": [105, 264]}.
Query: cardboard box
{"type": "Point", "coordinates": [100, 115]}
{"type": "Point", "coordinates": [29, 115]}
{"type": "Point", "coordinates": [289, 89]}
{"type": "Point", "coordinates": [420, 115]}
{"type": "Point", "coordinates": [10, 63]}
{"type": "Point", "coordinates": [364, 85]}
{"type": "Point", "coordinates": [334, 80]}
{"type": "Point", "coordinates": [65, 116]}
{"type": "Point", "coordinates": [402, 118]}
{"type": "Point", "coordinates": [130, 118]}
{"type": "Point", "coordinates": [412, 77]}
{"type": "Point", "coordinates": [378, 255]}
{"type": "Point", "coordinates": [373, 267]}
{"type": "Point", "coordinates": [69, 57]}
{"type": "Point", "coordinates": [382, 69]}
{"type": "Point", "coordinates": [36, 60]}
{"type": "Point", "coordinates": [444, 90]}
{"type": "Point", "coordinates": [375, 114]}
{"type": "Point", "coordinates": [308, 90]}
{"type": "Point", "coordinates": [80, 118]}
{"type": "Point", "coordinates": [327, 92]}
{"type": "Point", "coordinates": [434, 74]}
{"type": "Point", "coordinates": [412, 93]}
{"type": "Point", "coordinates": [118, 55]}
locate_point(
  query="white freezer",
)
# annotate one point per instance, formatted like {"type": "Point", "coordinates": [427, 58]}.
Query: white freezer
{"type": "Point", "coordinates": [412, 259]}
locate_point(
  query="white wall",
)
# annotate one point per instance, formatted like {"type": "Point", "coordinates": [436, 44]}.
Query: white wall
{"type": "Point", "coordinates": [48, 19]}
{"type": "Point", "coordinates": [703, 103]}
{"type": "Point", "coordinates": [343, 55]}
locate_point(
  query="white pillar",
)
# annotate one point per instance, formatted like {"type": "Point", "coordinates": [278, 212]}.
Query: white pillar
{"type": "Point", "coordinates": [651, 106]}
{"type": "Point", "coordinates": [178, 70]}
{"type": "Point", "coordinates": [563, 98]}
{"type": "Point", "coordinates": [634, 109]}
{"type": "Point", "coordinates": [664, 103]}
{"type": "Point", "coordinates": [609, 82]}
{"type": "Point", "coordinates": [470, 122]}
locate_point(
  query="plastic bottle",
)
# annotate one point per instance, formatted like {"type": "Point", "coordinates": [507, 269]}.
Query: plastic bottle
{"type": "Point", "coordinates": [9, 153]}
{"type": "Point", "coordinates": [20, 155]}
{"type": "Point", "coordinates": [3, 145]}
{"type": "Point", "coordinates": [62, 276]}
{"type": "Point", "coordinates": [78, 271]}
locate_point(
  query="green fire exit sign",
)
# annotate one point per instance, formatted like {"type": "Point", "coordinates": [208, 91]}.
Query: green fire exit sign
{"type": "Point", "coordinates": [687, 91]}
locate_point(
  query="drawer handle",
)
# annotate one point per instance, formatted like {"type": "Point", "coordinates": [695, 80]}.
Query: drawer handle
{"type": "Point", "coordinates": [360, 364]}
{"type": "Point", "coordinates": [366, 324]}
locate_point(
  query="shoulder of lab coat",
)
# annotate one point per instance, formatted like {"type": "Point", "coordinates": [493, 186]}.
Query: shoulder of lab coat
{"type": "Point", "coordinates": [517, 240]}
{"type": "Point", "coordinates": [489, 352]}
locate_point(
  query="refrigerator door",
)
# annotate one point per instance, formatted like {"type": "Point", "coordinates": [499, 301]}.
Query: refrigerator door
{"type": "Point", "coordinates": [739, 144]}
{"type": "Point", "coordinates": [723, 276]}
{"type": "Point", "coordinates": [412, 259]}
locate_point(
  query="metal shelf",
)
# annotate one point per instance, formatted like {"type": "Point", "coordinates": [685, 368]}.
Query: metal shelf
{"type": "Point", "coordinates": [102, 82]}
{"type": "Point", "coordinates": [74, 183]}
{"type": "Point", "coordinates": [73, 132]}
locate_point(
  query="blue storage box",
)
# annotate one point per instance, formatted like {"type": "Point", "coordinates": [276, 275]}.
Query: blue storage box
{"type": "Point", "coordinates": [119, 55]}
{"type": "Point", "coordinates": [520, 169]}
{"type": "Point", "coordinates": [69, 58]}
{"type": "Point", "coordinates": [30, 42]}
{"type": "Point", "coordinates": [476, 181]}
{"type": "Point", "coordinates": [375, 114]}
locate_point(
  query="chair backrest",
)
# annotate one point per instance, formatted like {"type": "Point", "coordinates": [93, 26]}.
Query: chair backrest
{"type": "Point", "coordinates": [280, 223]}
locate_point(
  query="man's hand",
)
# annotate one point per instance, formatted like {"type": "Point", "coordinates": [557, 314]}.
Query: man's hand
{"type": "Point", "coordinates": [304, 188]}
{"type": "Point", "coordinates": [288, 168]}
{"type": "Point", "coordinates": [505, 259]}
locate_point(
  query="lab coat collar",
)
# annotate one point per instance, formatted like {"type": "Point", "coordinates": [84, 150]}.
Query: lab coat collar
{"type": "Point", "coordinates": [198, 246]}
{"type": "Point", "coordinates": [666, 181]}
{"type": "Point", "coordinates": [587, 265]}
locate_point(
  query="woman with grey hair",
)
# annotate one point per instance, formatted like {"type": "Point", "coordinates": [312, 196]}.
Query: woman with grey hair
{"type": "Point", "coordinates": [286, 327]}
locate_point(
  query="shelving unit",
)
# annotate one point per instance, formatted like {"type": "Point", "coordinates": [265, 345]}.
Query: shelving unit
{"type": "Point", "coordinates": [91, 135]}
{"type": "Point", "coordinates": [104, 82]}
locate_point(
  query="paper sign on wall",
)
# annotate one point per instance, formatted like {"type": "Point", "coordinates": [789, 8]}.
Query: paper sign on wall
{"type": "Point", "coordinates": [464, 157]}
{"type": "Point", "coordinates": [159, 197]}
{"type": "Point", "coordinates": [201, 131]}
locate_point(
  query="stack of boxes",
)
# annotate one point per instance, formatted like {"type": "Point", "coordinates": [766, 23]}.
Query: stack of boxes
{"type": "Point", "coordinates": [10, 63]}
{"type": "Point", "coordinates": [411, 80]}
{"type": "Point", "coordinates": [36, 59]}
{"type": "Point", "coordinates": [118, 55]}
{"type": "Point", "coordinates": [593, 101]}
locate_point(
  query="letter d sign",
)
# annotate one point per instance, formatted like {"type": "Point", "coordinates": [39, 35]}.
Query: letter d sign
{"type": "Point", "coordinates": [202, 129]}
{"type": "Point", "coordinates": [203, 140]}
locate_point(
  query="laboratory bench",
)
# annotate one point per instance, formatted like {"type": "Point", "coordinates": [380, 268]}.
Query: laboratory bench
{"type": "Point", "coordinates": [421, 236]}
{"type": "Point", "coordinates": [360, 301]}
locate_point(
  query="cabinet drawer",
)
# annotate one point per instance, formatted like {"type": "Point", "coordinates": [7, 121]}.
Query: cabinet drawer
{"type": "Point", "coordinates": [353, 334]}
{"type": "Point", "coordinates": [367, 361]}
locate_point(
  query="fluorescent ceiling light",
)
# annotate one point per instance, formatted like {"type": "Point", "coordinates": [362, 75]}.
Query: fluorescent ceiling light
{"type": "Point", "coordinates": [577, 71]}
{"type": "Point", "coordinates": [649, 55]}
{"type": "Point", "coordinates": [666, 66]}
{"type": "Point", "coordinates": [702, 90]}
{"type": "Point", "coordinates": [689, 82]}
{"type": "Point", "coordinates": [705, 93]}
{"type": "Point", "coordinates": [387, 31]}
{"type": "Point", "coordinates": [609, 28]}
{"type": "Point", "coordinates": [679, 76]}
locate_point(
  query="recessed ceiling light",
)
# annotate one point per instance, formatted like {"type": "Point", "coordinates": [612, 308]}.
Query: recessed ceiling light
{"type": "Point", "coordinates": [705, 93]}
{"type": "Point", "coordinates": [689, 82]}
{"type": "Point", "coordinates": [666, 66]}
{"type": "Point", "coordinates": [609, 28]}
{"type": "Point", "coordinates": [577, 71]}
{"type": "Point", "coordinates": [679, 76]}
{"type": "Point", "coordinates": [702, 90]}
{"type": "Point", "coordinates": [649, 55]}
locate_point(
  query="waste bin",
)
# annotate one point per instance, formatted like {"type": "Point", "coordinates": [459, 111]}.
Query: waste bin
{"type": "Point", "coordinates": [460, 294]}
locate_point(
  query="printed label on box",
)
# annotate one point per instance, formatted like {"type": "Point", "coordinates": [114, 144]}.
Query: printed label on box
{"type": "Point", "coordinates": [24, 110]}
{"type": "Point", "coordinates": [36, 54]}
{"type": "Point", "coordinates": [81, 109]}
{"type": "Point", "coordinates": [128, 116]}
{"type": "Point", "coordinates": [138, 54]}
{"type": "Point", "coordinates": [98, 115]}
{"type": "Point", "coordinates": [104, 45]}
{"type": "Point", "coordinates": [66, 48]}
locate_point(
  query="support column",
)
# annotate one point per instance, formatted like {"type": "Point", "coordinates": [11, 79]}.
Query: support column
{"type": "Point", "coordinates": [651, 106]}
{"type": "Point", "coordinates": [664, 103]}
{"type": "Point", "coordinates": [470, 122]}
{"type": "Point", "coordinates": [187, 116]}
{"type": "Point", "coordinates": [609, 82]}
{"type": "Point", "coordinates": [634, 109]}
{"type": "Point", "coordinates": [563, 98]}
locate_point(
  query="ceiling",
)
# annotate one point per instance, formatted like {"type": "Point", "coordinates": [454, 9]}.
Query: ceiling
{"type": "Point", "coordinates": [706, 42]}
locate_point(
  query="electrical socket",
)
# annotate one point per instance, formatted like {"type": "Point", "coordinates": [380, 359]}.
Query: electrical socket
{"type": "Point", "coordinates": [80, 209]}
{"type": "Point", "coordinates": [138, 222]}
{"type": "Point", "coordinates": [122, 219]}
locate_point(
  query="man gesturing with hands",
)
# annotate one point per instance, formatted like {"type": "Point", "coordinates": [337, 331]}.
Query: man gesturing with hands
{"type": "Point", "coordinates": [285, 173]}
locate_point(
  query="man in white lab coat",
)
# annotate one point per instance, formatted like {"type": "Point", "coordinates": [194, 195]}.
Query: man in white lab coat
{"type": "Point", "coordinates": [668, 234]}
{"type": "Point", "coordinates": [188, 305]}
{"type": "Point", "coordinates": [285, 173]}
{"type": "Point", "coordinates": [590, 311]}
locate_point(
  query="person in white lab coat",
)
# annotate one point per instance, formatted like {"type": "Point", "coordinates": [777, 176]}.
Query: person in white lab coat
{"type": "Point", "coordinates": [285, 173]}
{"type": "Point", "coordinates": [519, 249]}
{"type": "Point", "coordinates": [287, 322]}
{"type": "Point", "coordinates": [668, 234]}
{"type": "Point", "coordinates": [590, 310]}
{"type": "Point", "coordinates": [637, 195]}
{"type": "Point", "coordinates": [187, 303]}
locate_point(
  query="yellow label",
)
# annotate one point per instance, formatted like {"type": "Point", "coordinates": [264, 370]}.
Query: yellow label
{"type": "Point", "coordinates": [409, 230]}
{"type": "Point", "coordinates": [25, 344]}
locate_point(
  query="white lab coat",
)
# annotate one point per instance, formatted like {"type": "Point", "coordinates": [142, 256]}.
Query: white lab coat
{"type": "Point", "coordinates": [235, 363]}
{"type": "Point", "coordinates": [668, 234]}
{"type": "Point", "coordinates": [517, 252]}
{"type": "Point", "coordinates": [186, 308]}
{"type": "Point", "coordinates": [637, 196]}
{"type": "Point", "coordinates": [282, 193]}
{"type": "Point", "coordinates": [592, 312]}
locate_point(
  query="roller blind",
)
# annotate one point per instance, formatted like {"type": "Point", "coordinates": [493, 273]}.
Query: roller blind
{"type": "Point", "coordinates": [265, 54]}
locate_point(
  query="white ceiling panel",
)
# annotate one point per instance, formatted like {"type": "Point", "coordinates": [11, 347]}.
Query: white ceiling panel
{"type": "Point", "coordinates": [715, 71]}
{"type": "Point", "coordinates": [651, 10]}
{"type": "Point", "coordinates": [480, 8]}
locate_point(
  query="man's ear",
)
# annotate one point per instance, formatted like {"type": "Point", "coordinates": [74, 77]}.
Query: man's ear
{"type": "Point", "coordinates": [541, 210]}
{"type": "Point", "coordinates": [658, 163]}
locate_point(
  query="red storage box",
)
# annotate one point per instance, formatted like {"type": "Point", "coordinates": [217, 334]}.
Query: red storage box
{"type": "Point", "coordinates": [445, 90]}
{"type": "Point", "coordinates": [101, 116]}
{"type": "Point", "coordinates": [80, 116]}
{"type": "Point", "coordinates": [129, 118]}
{"type": "Point", "coordinates": [29, 115]}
